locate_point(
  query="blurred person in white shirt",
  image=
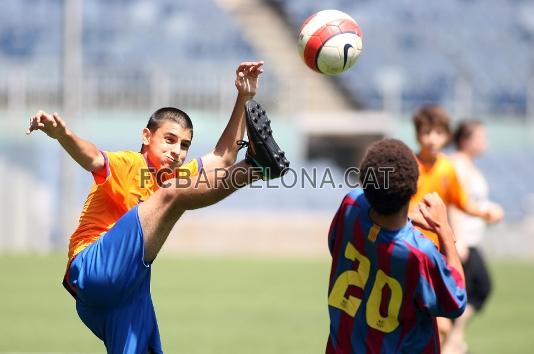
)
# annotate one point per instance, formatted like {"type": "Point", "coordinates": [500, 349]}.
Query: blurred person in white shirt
{"type": "Point", "coordinates": [470, 142]}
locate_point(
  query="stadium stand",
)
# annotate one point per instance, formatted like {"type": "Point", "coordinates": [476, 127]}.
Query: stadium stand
{"type": "Point", "coordinates": [488, 43]}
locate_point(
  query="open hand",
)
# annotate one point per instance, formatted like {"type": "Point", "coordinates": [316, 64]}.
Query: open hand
{"type": "Point", "coordinates": [52, 125]}
{"type": "Point", "coordinates": [247, 77]}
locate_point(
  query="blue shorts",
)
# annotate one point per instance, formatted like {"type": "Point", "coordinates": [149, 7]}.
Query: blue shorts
{"type": "Point", "coordinates": [111, 283]}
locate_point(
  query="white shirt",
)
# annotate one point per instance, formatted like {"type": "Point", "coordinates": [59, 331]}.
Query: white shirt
{"type": "Point", "coordinates": [468, 228]}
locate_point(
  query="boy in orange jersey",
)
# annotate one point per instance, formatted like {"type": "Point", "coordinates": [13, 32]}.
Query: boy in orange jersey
{"type": "Point", "coordinates": [437, 174]}
{"type": "Point", "coordinates": [127, 216]}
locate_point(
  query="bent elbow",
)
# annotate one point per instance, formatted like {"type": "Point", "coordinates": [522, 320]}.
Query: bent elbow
{"type": "Point", "coordinates": [96, 163]}
{"type": "Point", "coordinates": [458, 312]}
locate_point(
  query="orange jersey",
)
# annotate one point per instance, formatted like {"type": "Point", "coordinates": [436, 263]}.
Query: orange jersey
{"type": "Point", "coordinates": [127, 183]}
{"type": "Point", "coordinates": [440, 178]}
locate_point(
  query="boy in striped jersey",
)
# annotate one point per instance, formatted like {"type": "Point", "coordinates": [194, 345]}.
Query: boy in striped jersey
{"type": "Point", "coordinates": [388, 282]}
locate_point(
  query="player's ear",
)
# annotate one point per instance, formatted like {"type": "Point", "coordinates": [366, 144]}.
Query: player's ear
{"type": "Point", "coordinates": [146, 136]}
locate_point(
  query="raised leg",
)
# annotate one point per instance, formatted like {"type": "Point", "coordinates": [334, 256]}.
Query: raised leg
{"type": "Point", "coordinates": [159, 213]}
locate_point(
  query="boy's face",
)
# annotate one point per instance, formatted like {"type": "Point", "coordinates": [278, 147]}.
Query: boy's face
{"type": "Point", "coordinates": [477, 143]}
{"type": "Point", "coordinates": [167, 147]}
{"type": "Point", "coordinates": [432, 139]}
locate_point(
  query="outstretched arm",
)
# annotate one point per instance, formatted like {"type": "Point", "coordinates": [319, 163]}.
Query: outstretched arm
{"type": "Point", "coordinates": [85, 153]}
{"type": "Point", "coordinates": [491, 213]}
{"type": "Point", "coordinates": [225, 152]}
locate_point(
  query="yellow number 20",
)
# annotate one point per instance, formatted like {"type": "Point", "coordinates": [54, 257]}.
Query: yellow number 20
{"type": "Point", "coordinates": [359, 278]}
{"type": "Point", "coordinates": [350, 277]}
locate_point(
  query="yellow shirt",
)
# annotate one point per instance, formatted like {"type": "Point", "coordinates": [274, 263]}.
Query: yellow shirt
{"type": "Point", "coordinates": [440, 178]}
{"type": "Point", "coordinates": [126, 183]}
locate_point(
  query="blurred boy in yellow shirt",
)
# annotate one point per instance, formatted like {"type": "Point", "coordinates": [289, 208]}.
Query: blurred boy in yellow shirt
{"type": "Point", "coordinates": [436, 171]}
{"type": "Point", "coordinates": [437, 174]}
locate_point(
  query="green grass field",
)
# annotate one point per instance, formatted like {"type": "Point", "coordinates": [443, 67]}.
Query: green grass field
{"type": "Point", "coordinates": [231, 306]}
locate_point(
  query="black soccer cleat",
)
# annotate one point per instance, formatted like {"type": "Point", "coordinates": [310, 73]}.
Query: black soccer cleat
{"type": "Point", "coordinates": [263, 151]}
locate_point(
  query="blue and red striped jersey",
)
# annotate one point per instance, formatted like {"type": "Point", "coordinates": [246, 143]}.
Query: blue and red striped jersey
{"type": "Point", "coordinates": [386, 286]}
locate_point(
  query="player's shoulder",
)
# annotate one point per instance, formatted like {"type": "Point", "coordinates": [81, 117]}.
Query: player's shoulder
{"type": "Point", "coordinates": [460, 161]}
{"type": "Point", "coordinates": [445, 161]}
{"type": "Point", "coordinates": [125, 155]}
{"type": "Point", "coordinates": [355, 201]}
{"type": "Point", "coordinates": [444, 166]}
{"type": "Point", "coordinates": [192, 164]}
{"type": "Point", "coordinates": [356, 197]}
{"type": "Point", "coordinates": [420, 245]}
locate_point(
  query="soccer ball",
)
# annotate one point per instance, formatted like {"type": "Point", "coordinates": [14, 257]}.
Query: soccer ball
{"type": "Point", "coordinates": [330, 42]}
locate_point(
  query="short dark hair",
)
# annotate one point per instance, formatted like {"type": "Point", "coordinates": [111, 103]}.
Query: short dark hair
{"type": "Point", "coordinates": [169, 113]}
{"type": "Point", "coordinates": [402, 182]}
{"type": "Point", "coordinates": [432, 116]}
{"type": "Point", "coordinates": [464, 131]}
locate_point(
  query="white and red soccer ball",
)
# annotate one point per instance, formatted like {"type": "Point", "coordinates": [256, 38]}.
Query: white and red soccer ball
{"type": "Point", "coordinates": [330, 42]}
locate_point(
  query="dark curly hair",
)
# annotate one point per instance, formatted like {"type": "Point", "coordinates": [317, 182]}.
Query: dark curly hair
{"type": "Point", "coordinates": [388, 195]}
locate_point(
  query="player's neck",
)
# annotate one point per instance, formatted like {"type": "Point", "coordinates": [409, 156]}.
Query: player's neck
{"type": "Point", "coordinates": [390, 222]}
{"type": "Point", "coordinates": [469, 155]}
{"type": "Point", "coordinates": [427, 158]}
{"type": "Point", "coordinates": [149, 163]}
